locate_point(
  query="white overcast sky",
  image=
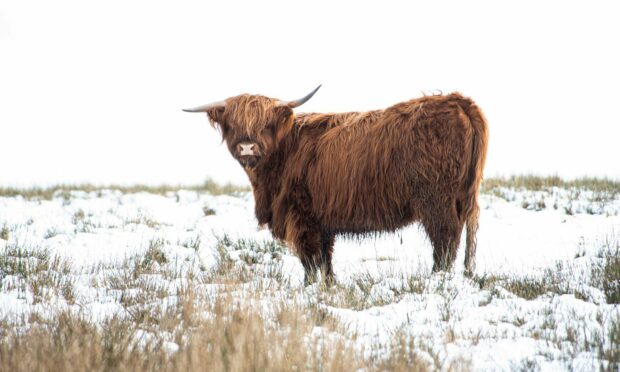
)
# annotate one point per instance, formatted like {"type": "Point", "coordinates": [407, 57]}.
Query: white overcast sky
{"type": "Point", "coordinates": [93, 91]}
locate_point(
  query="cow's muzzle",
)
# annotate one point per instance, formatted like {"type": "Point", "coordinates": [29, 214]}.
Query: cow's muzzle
{"type": "Point", "coordinates": [247, 153]}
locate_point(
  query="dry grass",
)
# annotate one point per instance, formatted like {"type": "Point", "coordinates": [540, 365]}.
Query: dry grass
{"type": "Point", "coordinates": [582, 195]}
{"type": "Point", "coordinates": [48, 193]}
{"type": "Point", "coordinates": [4, 232]}
{"type": "Point", "coordinates": [606, 275]}
{"type": "Point", "coordinates": [233, 338]}
{"type": "Point", "coordinates": [552, 281]}
{"type": "Point", "coordinates": [173, 320]}
{"type": "Point", "coordinates": [25, 268]}
{"type": "Point", "coordinates": [170, 327]}
{"type": "Point", "coordinates": [538, 183]}
{"type": "Point", "coordinates": [489, 186]}
{"type": "Point", "coordinates": [611, 353]}
{"type": "Point", "coordinates": [246, 312]}
{"type": "Point", "coordinates": [238, 316]}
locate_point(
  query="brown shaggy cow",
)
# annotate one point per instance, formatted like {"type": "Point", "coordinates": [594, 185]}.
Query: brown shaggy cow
{"type": "Point", "coordinates": [317, 175]}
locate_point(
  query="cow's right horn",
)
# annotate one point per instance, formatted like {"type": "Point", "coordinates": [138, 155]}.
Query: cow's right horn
{"type": "Point", "coordinates": [301, 101]}
{"type": "Point", "coordinates": [206, 107]}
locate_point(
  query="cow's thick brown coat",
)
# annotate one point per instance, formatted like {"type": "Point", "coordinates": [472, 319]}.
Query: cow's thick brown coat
{"type": "Point", "coordinates": [318, 175]}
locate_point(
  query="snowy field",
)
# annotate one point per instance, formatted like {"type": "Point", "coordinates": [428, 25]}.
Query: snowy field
{"type": "Point", "coordinates": [545, 295]}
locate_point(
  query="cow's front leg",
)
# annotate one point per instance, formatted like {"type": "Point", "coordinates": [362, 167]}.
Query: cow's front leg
{"type": "Point", "coordinates": [308, 248]}
{"type": "Point", "coordinates": [327, 248]}
{"type": "Point", "coordinates": [315, 252]}
{"type": "Point", "coordinates": [312, 243]}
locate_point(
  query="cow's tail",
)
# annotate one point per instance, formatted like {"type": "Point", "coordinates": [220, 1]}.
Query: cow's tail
{"type": "Point", "coordinates": [471, 210]}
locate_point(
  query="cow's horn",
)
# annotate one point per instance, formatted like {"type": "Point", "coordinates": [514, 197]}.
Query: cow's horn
{"type": "Point", "coordinates": [206, 107]}
{"type": "Point", "coordinates": [301, 101]}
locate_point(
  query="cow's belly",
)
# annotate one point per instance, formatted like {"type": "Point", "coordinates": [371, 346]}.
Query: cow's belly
{"type": "Point", "coordinates": [364, 210]}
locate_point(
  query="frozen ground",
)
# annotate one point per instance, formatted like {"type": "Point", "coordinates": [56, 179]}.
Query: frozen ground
{"type": "Point", "coordinates": [541, 297]}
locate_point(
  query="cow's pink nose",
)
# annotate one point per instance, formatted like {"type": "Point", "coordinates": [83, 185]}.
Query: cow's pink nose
{"type": "Point", "coordinates": [246, 149]}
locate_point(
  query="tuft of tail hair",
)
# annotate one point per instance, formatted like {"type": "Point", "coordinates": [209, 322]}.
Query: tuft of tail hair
{"type": "Point", "coordinates": [474, 178]}
{"type": "Point", "coordinates": [478, 156]}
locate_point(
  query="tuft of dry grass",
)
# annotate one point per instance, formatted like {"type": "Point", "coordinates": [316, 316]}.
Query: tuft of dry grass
{"type": "Point", "coordinates": [4, 232]}
{"type": "Point", "coordinates": [606, 275]}
{"type": "Point", "coordinates": [611, 351]}
{"type": "Point", "coordinates": [418, 355]}
{"type": "Point", "coordinates": [551, 281]}
{"type": "Point", "coordinates": [24, 267]}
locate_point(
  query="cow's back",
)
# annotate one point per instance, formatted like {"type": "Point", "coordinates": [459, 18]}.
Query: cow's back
{"type": "Point", "coordinates": [374, 170]}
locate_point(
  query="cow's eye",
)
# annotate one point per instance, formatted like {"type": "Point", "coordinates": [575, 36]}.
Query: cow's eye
{"type": "Point", "coordinates": [269, 129]}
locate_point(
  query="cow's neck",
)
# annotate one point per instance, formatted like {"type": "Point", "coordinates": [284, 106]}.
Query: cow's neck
{"type": "Point", "coordinates": [265, 179]}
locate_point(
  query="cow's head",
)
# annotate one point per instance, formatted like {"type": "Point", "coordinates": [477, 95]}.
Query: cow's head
{"type": "Point", "coordinates": [252, 125]}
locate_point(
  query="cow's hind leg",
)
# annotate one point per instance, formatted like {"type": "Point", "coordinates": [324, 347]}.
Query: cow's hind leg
{"type": "Point", "coordinates": [444, 231]}
{"type": "Point", "coordinates": [470, 245]}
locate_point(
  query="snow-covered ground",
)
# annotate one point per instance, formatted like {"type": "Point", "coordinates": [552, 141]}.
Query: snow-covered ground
{"type": "Point", "coordinates": [536, 300]}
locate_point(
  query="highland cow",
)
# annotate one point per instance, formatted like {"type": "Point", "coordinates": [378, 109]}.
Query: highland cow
{"type": "Point", "coordinates": [318, 175]}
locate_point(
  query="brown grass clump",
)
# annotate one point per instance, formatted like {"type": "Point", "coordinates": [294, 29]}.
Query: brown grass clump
{"type": "Point", "coordinates": [233, 337]}
{"type": "Point", "coordinates": [606, 276]}
{"type": "Point", "coordinates": [25, 267]}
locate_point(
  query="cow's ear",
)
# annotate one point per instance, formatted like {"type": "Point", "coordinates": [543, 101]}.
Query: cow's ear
{"type": "Point", "coordinates": [217, 119]}
{"type": "Point", "coordinates": [284, 121]}
{"type": "Point", "coordinates": [216, 116]}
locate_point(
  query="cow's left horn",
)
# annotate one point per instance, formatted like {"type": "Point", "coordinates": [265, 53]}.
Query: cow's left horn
{"type": "Point", "coordinates": [206, 107]}
{"type": "Point", "coordinates": [301, 101]}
